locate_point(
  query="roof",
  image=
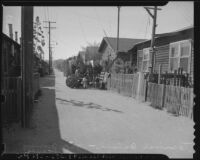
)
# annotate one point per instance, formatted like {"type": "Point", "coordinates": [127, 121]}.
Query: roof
{"type": "Point", "coordinates": [82, 53]}
{"type": "Point", "coordinates": [92, 49]}
{"type": "Point", "coordinates": [10, 39]}
{"type": "Point", "coordinates": [166, 35]}
{"type": "Point", "coordinates": [174, 32]}
{"type": "Point", "coordinates": [124, 43]}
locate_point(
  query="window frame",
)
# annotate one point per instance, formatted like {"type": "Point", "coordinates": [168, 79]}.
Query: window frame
{"type": "Point", "coordinates": [179, 54]}
{"type": "Point", "coordinates": [147, 60]}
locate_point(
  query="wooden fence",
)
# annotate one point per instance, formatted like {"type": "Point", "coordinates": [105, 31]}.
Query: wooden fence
{"type": "Point", "coordinates": [177, 100]}
{"type": "Point", "coordinates": [132, 85]}
{"type": "Point", "coordinates": [155, 94]}
{"type": "Point", "coordinates": [141, 87]}
{"type": "Point", "coordinates": [11, 109]}
{"type": "Point", "coordinates": [123, 84]}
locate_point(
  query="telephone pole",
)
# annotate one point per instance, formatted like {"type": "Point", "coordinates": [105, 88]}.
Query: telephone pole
{"type": "Point", "coordinates": [27, 62]}
{"type": "Point", "coordinates": [154, 17]}
{"type": "Point", "coordinates": [49, 27]}
{"type": "Point", "coordinates": [118, 19]}
{"type": "Point", "coordinates": [152, 51]}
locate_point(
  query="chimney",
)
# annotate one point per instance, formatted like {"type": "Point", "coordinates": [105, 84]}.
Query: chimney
{"type": "Point", "coordinates": [16, 36]}
{"type": "Point", "coordinates": [10, 31]}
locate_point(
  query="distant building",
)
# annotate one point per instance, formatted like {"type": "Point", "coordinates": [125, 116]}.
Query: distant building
{"type": "Point", "coordinates": [82, 54]}
{"type": "Point", "coordinates": [92, 53]}
{"type": "Point", "coordinates": [113, 61]}
{"type": "Point", "coordinates": [11, 57]}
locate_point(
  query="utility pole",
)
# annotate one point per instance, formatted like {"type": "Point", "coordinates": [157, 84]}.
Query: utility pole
{"type": "Point", "coordinates": [118, 19]}
{"type": "Point", "coordinates": [27, 62]}
{"type": "Point", "coordinates": [154, 17]}
{"type": "Point", "coordinates": [49, 27]}
{"type": "Point", "coordinates": [152, 51]}
{"type": "Point", "coordinates": [52, 55]}
{"type": "Point", "coordinates": [118, 22]}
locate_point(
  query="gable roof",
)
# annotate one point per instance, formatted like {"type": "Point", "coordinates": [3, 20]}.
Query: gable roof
{"type": "Point", "coordinates": [124, 43]}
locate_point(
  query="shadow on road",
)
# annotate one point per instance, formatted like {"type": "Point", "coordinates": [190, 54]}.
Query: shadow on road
{"type": "Point", "coordinates": [88, 105]}
{"type": "Point", "coordinates": [43, 136]}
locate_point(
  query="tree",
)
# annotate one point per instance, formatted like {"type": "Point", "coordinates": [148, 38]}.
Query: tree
{"type": "Point", "coordinates": [97, 69]}
{"type": "Point", "coordinates": [38, 38]}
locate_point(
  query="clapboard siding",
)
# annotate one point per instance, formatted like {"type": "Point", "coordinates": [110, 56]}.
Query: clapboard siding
{"type": "Point", "coordinates": [162, 57]}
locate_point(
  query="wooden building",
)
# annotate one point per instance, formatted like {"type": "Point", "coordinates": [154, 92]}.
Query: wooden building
{"type": "Point", "coordinates": [110, 59]}
{"type": "Point", "coordinates": [172, 50]}
{"type": "Point", "coordinates": [10, 57]}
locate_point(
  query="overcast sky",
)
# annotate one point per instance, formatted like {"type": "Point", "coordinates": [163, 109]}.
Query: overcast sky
{"type": "Point", "coordinates": [78, 26]}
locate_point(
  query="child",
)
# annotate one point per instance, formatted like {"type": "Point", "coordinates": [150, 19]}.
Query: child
{"type": "Point", "coordinates": [84, 82]}
{"type": "Point", "coordinates": [97, 82]}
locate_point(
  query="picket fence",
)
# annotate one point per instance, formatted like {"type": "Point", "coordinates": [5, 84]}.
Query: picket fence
{"type": "Point", "coordinates": [132, 85]}
{"type": "Point", "coordinates": [175, 99]}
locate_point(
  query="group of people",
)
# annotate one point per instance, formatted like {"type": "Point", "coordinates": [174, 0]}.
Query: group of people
{"type": "Point", "coordinates": [97, 82]}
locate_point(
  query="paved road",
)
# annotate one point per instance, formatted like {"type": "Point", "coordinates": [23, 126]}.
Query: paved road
{"type": "Point", "coordinates": [105, 122]}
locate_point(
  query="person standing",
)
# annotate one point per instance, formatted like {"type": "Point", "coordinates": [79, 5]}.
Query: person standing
{"type": "Point", "coordinates": [84, 82]}
{"type": "Point", "coordinates": [77, 72]}
{"type": "Point", "coordinates": [105, 80]}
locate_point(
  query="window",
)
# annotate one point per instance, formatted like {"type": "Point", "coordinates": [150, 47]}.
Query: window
{"type": "Point", "coordinates": [145, 60]}
{"type": "Point", "coordinates": [179, 56]}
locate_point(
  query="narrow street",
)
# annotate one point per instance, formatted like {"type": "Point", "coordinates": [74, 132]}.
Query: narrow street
{"type": "Point", "coordinates": [69, 120]}
{"type": "Point", "coordinates": [106, 122]}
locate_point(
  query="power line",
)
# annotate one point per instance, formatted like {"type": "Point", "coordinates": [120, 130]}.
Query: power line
{"type": "Point", "coordinates": [103, 29]}
{"type": "Point", "coordinates": [185, 16]}
{"type": "Point", "coordinates": [139, 30]}
{"type": "Point", "coordinates": [82, 30]}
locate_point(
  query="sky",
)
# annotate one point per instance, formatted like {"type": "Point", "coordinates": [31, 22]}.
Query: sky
{"type": "Point", "coordinates": [78, 26]}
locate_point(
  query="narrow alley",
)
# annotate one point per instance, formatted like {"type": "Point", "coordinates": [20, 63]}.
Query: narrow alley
{"type": "Point", "coordinates": [69, 120]}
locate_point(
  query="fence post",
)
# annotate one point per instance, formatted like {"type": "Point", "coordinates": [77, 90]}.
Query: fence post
{"type": "Point", "coordinates": [159, 73]}
{"type": "Point", "coordinates": [146, 90]}
{"type": "Point", "coordinates": [163, 96]}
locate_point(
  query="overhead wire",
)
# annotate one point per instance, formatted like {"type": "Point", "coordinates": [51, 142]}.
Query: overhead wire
{"type": "Point", "coordinates": [82, 29]}
{"type": "Point", "coordinates": [103, 29]}
{"type": "Point", "coordinates": [148, 23]}
{"type": "Point", "coordinates": [187, 17]}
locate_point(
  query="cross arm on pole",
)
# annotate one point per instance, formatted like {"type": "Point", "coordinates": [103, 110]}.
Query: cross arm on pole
{"type": "Point", "coordinates": [153, 8]}
{"type": "Point", "coordinates": [49, 22]}
{"type": "Point", "coordinates": [149, 12]}
{"type": "Point", "coordinates": [51, 27]}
